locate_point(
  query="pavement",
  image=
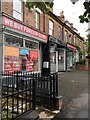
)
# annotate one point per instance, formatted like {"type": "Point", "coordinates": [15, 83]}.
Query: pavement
{"type": "Point", "coordinates": [73, 87]}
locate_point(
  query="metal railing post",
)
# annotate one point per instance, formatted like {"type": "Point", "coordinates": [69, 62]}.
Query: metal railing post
{"type": "Point", "coordinates": [54, 91]}
{"type": "Point", "coordinates": [34, 91]}
{"type": "Point", "coordinates": [57, 84]}
{"type": "Point", "coordinates": [17, 91]}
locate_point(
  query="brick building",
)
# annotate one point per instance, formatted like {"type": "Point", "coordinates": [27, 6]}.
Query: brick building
{"type": "Point", "coordinates": [33, 40]}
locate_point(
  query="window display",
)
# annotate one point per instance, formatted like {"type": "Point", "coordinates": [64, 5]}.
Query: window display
{"type": "Point", "coordinates": [12, 64]}
{"type": "Point", "coordinates": [19, 58]}
{"type": "Point", "coordinates": [61, 59]}
{"type": "Point", "coordinates": [53, 61]}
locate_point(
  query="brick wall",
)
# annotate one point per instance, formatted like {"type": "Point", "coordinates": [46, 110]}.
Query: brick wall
{"type": "Point", "coordinates": [56, 27]}
{"type": "Point", "coordinates": [83, 67]}
{"type": "Point", "coordinates": [7, 7]}
{"type": "Point", "coordinates": [46, 24]}
{"type": "Point", "coordinates": [29, 17]}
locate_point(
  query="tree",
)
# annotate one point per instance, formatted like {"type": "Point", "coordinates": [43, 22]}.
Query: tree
{"type": "Point", "coordinates": [88, 41]}
{"type": "Point", "coordinates": [80, 52]}
{"type": "Point", "coordinates": [42, 5]}
{"type": "Point", "coordinates": [86, 15]}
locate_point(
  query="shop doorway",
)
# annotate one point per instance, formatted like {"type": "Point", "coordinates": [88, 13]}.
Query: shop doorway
{"type": "Point", "coordinates": [61, 59]}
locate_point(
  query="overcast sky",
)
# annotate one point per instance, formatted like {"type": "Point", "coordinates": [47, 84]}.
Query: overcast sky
{"type": "Point", "coordinates": [72, 13]}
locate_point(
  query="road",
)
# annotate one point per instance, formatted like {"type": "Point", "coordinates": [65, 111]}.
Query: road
{"type": "Point", "coordinates": [73, 86]}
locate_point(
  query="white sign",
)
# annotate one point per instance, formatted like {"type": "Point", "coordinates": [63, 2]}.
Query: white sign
{"type": "Point", "coordinates": [45, 64]}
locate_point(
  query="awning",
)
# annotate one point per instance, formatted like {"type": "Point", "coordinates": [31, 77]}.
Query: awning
{"type": "Point", "coordinates": [60, 43]}
{"type": "Point", "coordinates": [71, 47]}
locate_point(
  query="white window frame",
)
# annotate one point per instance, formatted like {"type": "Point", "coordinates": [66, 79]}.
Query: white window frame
{"type": "Point", "coordinates": [51, 27]}
{"type": "Point", "coordinates": [37, 20]}
{"type": "Point", "coordinates": [17, 9]}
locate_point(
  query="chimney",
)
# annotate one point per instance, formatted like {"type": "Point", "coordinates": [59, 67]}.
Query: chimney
{"type": "Point", "coordinates": [79, 34]}
{"type": "Point", "coordinates": [62, 17]}
{"type": "Point", "coordinates": [72, 25]}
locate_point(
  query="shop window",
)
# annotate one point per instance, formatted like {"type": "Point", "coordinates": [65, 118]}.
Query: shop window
{"type": "Point", "coordinates": [37, 20]}
{"type": "Point", "coordinates": [13, 41]}
{"type": "Point", "coordinates": [60, 59]}
{"type": "Point", "coordinates": [51, 26]}
{"type": "Point", "coordinates": [30, 44]}
{"type": "Point", "coordinates": [17, 9]}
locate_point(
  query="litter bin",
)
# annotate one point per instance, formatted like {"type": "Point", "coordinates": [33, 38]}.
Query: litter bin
{"type": "Point", "coordinates": [59, 102]}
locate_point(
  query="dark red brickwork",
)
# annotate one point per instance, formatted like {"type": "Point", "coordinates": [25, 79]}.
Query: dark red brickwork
{"type": "Point", "coordinates": [29, 17]}
{"type": "Point", "coordinates": [7, 7]}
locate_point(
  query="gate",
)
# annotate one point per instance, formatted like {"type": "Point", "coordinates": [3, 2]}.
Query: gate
{"type": "Point", "coordinates": [22, 92]}
{"type": "Point", "coordinates": [46, 90]}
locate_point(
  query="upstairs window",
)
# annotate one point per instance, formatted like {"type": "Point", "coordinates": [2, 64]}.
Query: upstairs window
{"type": "Point", "coordinates": [59, 31]}
{"type": "Point", "coordinates": [51, 26]}
{"type": "Point", "coordinates": [70, 39]}
{"type": "Point", "coordinates": [17, 9]}
{"type": "Point", "coordinates": [78, 42]}
{"type": "Point", "coordinates": [74, 40]}
{"type": "Point", "coordinates": [66, 36]}
{"type": "Point", "coordinates": [37, 20]}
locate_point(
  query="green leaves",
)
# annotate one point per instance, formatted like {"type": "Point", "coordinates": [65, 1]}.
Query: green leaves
{"type": "Point", "coordinates": [86, 16]}
{"type": "Point", "coordinates": [80, 52]}
{"type": "Point", "coordinates": [81, 18]}
{"type": "Point", "coordinates": [88, 42]}
{"type": "Point", "coordinates": [43, 6]}
{"type": "Point", "coordinates": [86, 5]}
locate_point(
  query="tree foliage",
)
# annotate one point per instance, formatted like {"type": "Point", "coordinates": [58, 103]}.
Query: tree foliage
{"type": "Point", "coordinates": [88, 41]}
{"type": "Point", "coordinates": [44, 6]}
{"type": "Point", "coordinates": [86, 15]}
{"type": "Point", "coordinates": [80, 52]}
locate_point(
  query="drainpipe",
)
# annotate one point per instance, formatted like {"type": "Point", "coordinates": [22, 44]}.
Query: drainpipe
{"type": "Point", "coordinates": [1, 5]}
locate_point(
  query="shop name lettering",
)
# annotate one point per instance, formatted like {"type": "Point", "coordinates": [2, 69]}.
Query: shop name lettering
{"type": "Point", "coordinates": [20, 27]}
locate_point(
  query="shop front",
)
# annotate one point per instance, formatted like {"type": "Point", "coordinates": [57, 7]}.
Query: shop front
{"type": "Point", "coordinates": [71, 56]}
{"type": "Point", "coordinates": [57, 54]}
{"type": "Point", "coordinates": [61, 59]}
{"type": "Point", "coordinates": [21, 48]}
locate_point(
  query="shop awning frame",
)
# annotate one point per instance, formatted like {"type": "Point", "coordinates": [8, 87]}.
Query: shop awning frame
{"type": "Point", "coordinates": [60, 43]}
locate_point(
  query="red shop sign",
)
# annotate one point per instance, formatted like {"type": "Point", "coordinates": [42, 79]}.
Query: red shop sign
{"type": "Point", "coordinates": [70, 46]}
{"type": "Point", "coordinates": [34, 54]}
{"type": "Point", "coordinates": [19, 26]}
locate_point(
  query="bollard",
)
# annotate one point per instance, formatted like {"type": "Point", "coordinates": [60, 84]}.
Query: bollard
{"type": "Point", "coordinates": [59, 102]}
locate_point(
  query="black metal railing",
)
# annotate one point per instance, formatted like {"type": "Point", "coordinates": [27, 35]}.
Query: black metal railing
{"type": "Point", "coordinates": [22, 91]}
{"type": "Point", "coordinates": [46, 90]}
{"type": "Point", "coordinates": [17, 94]}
